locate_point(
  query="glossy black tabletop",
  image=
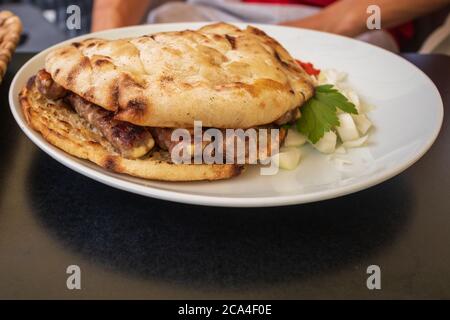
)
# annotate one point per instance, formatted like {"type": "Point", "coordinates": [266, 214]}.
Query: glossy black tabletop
{"type": "Point", "coordinates": [129, 246]}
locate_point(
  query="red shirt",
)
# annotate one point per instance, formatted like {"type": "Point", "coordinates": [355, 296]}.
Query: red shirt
{"type": "Point", "coordinates": [401, 33]}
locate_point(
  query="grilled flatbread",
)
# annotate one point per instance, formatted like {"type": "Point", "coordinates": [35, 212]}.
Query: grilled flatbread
{"type": "Point", "coordinates": [219, 74]}
{"type": "Point", "coordinates": [65, 129]}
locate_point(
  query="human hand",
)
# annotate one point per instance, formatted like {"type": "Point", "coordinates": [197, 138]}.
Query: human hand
{"type": "Point", "coordinates": [109, 14]}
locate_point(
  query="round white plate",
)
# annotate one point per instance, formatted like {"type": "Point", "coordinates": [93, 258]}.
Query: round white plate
{"type": "Point", "coordinates": [407, 117]}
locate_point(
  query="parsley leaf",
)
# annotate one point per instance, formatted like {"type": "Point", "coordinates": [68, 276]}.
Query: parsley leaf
{"type": "Point", "coordinates": [330, 96]}
{"type": "Point", "coordinates": [319, 114]}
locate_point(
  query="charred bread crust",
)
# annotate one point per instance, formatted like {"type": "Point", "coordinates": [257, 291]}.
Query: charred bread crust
{"type": "Point", "coordinates": [221, 75]}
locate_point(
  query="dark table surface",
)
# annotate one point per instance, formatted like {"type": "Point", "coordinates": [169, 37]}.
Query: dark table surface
{"type": "Point", "coordinates": [128, 246]}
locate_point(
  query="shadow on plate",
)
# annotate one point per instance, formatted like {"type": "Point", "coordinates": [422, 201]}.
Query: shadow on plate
{"type": "Point", "coordinates": [222, 247]}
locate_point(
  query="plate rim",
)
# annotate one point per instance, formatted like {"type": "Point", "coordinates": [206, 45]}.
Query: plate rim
{"type": "Point", "coordinates": [210, 200]}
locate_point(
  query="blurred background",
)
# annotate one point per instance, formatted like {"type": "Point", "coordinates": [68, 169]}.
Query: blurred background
{"type": "Point", "coordinates": [45, 23]}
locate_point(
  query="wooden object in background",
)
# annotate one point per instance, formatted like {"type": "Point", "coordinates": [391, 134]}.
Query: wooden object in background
{"type": "Point", "coordinates": [10, 30]}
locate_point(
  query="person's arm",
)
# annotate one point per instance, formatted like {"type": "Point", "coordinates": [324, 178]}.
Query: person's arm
{"type": "Point", "coordinates": [108, 14]}
{"type": "Point", "coordinates": [348, 17]}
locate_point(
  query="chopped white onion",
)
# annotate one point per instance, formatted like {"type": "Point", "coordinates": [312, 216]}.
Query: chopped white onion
{"type": "Point", "coordinates": [353, 97]}
{"type": "Point", "coordinates": [362, 123]}
{"type": "Point", "coordinates": [294, 139]}
{"type": "Point", "coordinates": [347, 130]}
{"type": "Point", "coordinates": [328, 142]}
{"type": "Point", "coordinates": [356, 143]}
{"type": "Point", "coordinates": [340, 150]}
{"type": "Point", "coordinates": [331, 76]}
{"type": "Point", "coordinates": [288, 158]}
{"type": "Point", "coordinates": [321, 79]}
{"type": "Point", "coordinates": [366, 108]}
{"type": "Point", "coordinates": [353, 129]}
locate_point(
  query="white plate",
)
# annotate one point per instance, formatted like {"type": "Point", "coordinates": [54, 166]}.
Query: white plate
{"type": "Point", "coordinates": [408, 117]}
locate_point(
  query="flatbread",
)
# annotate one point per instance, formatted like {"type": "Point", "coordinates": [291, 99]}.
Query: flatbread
{"type": "Point", "coordinates": [219, 74]}
{"type": "Point", "coordinates": [63, 128]}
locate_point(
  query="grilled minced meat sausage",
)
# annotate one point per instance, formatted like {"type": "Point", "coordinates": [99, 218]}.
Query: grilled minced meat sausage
{"type": "Point", "coordinates": [163, 138]}
{"type": "Point", "coordinates": [49, 88]}
{"type": "Point", "coordinates": [129, 140]}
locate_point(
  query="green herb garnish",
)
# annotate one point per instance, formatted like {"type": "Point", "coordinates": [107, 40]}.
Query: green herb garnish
{"type": "Point", "coordinates": [319, 114]}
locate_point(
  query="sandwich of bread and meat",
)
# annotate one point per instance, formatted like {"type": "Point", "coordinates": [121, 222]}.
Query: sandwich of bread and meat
{"type": "Point", "coordinates": [117, 102]}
